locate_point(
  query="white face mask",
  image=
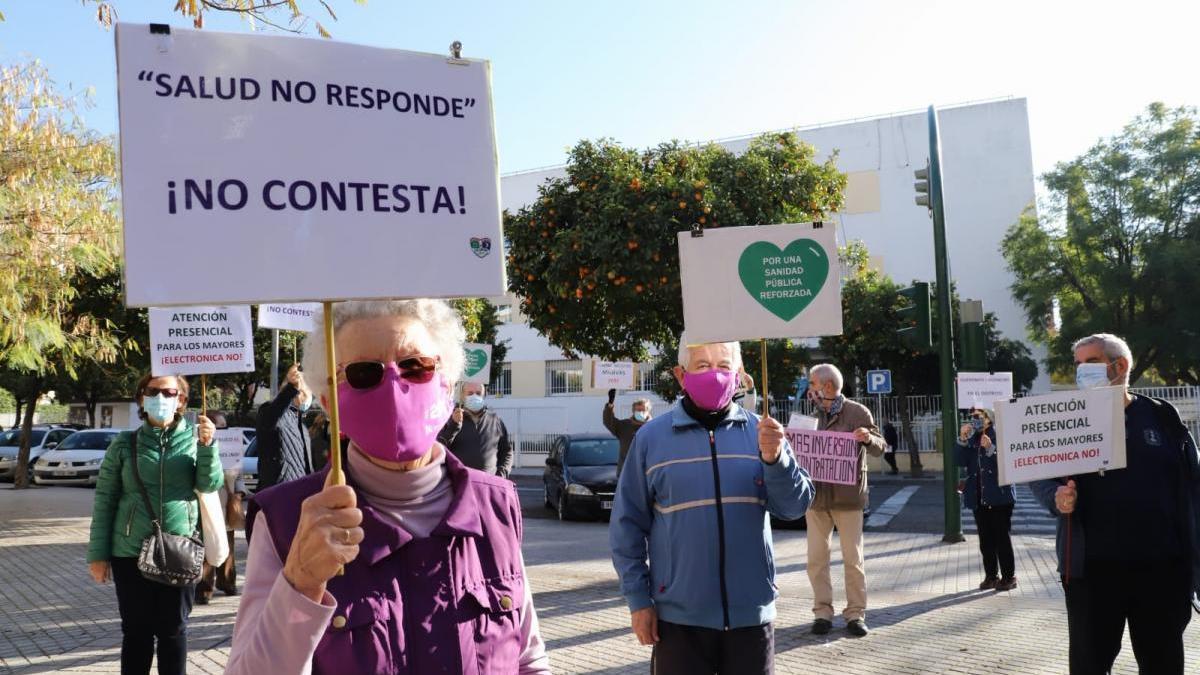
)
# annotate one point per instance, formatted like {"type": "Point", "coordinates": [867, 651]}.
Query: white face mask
{"type": "Point", "coordinates": [1091, 375]}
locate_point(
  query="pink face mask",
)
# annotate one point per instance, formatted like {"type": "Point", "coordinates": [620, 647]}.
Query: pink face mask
{"type": "Point", "coordinates": [711, 390]}
{"type": "Point", "coordinates": [397, 420]}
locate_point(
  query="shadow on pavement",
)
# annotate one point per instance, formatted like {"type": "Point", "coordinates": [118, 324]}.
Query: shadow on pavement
{"type": "Point", "coordinates": [793, 637]}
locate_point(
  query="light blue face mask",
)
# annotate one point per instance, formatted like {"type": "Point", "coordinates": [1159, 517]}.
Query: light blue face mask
{"type": "Point", "coordinates": [307, 404]}
{"type": "Point", "coordinates": [976, 424]}
{"type": "Point", "coordinates": [474, 402]}
{"type": "Point", "coordinates": [160, 408]}
{"type": "Point", "coordinates": [1091, 375]}
{"type": "Point", "coordinates": [641, 415]}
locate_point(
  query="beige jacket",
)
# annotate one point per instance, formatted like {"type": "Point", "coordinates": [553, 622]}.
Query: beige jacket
{"type": "Point", "coordinates": [833, 497]}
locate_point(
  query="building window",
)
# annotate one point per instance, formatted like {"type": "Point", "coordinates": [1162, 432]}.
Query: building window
{"type": "Point", "coordinates": [502, 383]}
{"type": "Point", "coordinates": [646, 377]}
{"type": "Point", "coordinates": [564, 377]}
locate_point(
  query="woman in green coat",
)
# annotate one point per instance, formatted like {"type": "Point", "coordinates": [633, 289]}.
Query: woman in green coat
{"type": "Point", "coordinates": [174, 460]}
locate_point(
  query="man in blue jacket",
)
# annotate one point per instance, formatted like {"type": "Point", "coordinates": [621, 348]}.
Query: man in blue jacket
{"type": "Point", "coordinates": [693, 500]}
{"type": "Point", "coordinates": [1132, 532]}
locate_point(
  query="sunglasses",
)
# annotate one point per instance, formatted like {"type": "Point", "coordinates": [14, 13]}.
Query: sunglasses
{"type": "Point", "coordinates": [368, 374]}
{"type": "Point", "coordinates": [155, 391]}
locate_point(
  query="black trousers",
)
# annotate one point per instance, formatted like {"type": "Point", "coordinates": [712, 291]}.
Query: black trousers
{"type": "Point", "coordinates": [691, 650]}
{"type": "Point", "coordinates": [995, 542]}
{"type": "Point", "coordinates": [1155, 600]}
{"type": "Point", "coordinates": [151, 612]}
{"type": "Point", "coordinates": [889, 456]}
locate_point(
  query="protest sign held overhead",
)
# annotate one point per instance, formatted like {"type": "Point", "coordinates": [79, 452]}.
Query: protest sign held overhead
{"type": "Point", "coordinates": [296, 152]}
{"type": "Point", "coordinates": [827, 456]}
{"type": "Point", "coordinates": [1061, 434]}
{"type": "Point", "coordinates": [612, 375]}
{"type": "Point", "coordinates": [299, 317]}
{"type": "Point", "coordinates": [982, 390]}
{"type": "Point", "coordinates": [774, 281]}
{"type": "Point", "coordinates": [201, 340]}
{"type": "Point", "coordinates": [478, 366]}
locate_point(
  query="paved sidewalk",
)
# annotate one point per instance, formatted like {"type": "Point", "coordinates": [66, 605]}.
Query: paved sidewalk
{"type": "Point", "coordinates": [925, 615]}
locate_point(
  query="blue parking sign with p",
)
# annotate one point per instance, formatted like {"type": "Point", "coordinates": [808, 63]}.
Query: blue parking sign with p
{"type": "Point", "coordinates": [879, 381]}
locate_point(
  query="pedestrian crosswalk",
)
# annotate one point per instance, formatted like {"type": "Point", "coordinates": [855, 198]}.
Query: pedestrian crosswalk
{"type": "Point", "coordinates": [1029, 516]}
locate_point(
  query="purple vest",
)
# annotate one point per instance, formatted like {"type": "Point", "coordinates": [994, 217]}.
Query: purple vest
{"type": "Point", "coordinates": [445, 604]}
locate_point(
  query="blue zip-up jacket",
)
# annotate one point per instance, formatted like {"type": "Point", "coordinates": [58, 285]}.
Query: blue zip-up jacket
{"type": "Point", "coordinates": [696, 505]}
{"type": "Point", "coordinates": [982, 472]}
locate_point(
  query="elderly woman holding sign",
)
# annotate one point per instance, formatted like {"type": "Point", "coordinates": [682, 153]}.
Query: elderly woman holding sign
{"type": "Point", "coordinates": [989, 501]}
{"type": "Point", "coordinates": [434, 580]}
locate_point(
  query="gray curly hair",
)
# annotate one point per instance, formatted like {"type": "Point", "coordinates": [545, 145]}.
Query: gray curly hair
{"type": "Point", "coordinates": [442, 321]}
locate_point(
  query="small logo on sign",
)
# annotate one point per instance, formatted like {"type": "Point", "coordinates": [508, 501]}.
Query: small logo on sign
{"type": "Point", "coordinates": [1152, 437]}
{"type": "Point", "coordinates": [481, 246]}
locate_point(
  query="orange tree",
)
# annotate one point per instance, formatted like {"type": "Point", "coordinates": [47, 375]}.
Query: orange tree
{"type": "Point", "coordinates": [594, 259]}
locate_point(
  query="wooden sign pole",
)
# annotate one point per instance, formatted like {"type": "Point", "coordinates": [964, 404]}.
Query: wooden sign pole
{"type": "Point", "coordinates": [766, 406]}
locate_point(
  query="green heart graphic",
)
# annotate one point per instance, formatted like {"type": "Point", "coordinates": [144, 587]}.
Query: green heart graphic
{"type": "Point", "coordinates": [477, 360]}
{"type": "Point", "coordinates": [784, 282]}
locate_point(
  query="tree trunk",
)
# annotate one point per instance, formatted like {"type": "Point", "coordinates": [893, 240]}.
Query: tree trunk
{"type": "Point", "coordinates": [916, 470]}
{"type": "Point", "coordinates": [17, 413]}
{"type": "Point", "coordinates": [21, 478]}
{"type": "Point", "coordinates": [90, 405]}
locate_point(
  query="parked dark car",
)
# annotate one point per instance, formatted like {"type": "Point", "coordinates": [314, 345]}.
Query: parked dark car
{"type": "Point", "coordinates": [581, 476]}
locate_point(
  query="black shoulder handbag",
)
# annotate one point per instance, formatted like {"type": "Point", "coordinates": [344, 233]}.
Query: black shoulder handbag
{"type": "Point", "coordinates": [166, 558]}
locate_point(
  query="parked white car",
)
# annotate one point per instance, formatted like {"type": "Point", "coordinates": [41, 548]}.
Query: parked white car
{"type": "Point", "coordinates": [76, 461]}
{"type": "Point", "coordinates": [250, 467]}
{"type": "Point", "coordinates": [41, 439]}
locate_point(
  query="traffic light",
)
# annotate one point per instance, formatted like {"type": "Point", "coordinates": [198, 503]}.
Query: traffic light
{"type": "Point", "coordinates": [974, 346]}
{"type": "Point", "coordinates": [916, 329]}
{"type": "Point", "coordinates": [922, 187]}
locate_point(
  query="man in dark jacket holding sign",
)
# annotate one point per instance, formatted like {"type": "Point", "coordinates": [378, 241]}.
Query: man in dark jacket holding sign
{"type": "Point", "coordinates": [478, 438]}
{"type": "Point", "coordinates": [1132, 532]}
{"type": "Point", "coordinates": [283, 442]}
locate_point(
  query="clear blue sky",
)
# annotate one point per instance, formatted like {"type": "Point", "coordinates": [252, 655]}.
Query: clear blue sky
{"type": "Point", "coordinates": [643, 72]}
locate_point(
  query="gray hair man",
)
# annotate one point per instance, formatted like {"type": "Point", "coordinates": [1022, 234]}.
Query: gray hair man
{"type": "Point", "coordinates": [478, 437]}
{"type": "Point", "coordinates": [1134, 544]}
{"type": "Point", "coordinates": [625, 428]}
{"type": "Point", "coordinates": [840, 506]}
{"type": "Point", "coordinates": [690, 536]}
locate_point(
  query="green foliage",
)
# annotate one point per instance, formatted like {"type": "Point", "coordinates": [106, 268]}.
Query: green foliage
{"type": "Point", "coordinates": [1117, 249]}
{"type": "Point", "coordinates": [293, 16]}
{"type": "Point", "coordinates": [595, 258]}
{"type": "Point", "coordinates": [58, 220]}
{"type": "Point", "coordinates": [8, 402]}
{"type": "Point", "coordinates": [869, 339]}
{"type": "Point", "coordinates": [94, 381]}
{"type": "Point", "coordinates": [52, 413]}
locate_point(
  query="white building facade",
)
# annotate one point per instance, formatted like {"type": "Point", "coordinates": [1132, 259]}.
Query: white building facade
{"type": "Point", "coordinates": [988, 182]}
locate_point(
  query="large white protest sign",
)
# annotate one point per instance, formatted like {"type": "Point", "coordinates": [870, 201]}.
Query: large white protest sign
{"type": "Point", "coordinates": [773, 281]}
{"type": "Point", "coordinates": [201, 340]}
{"type": "Point", "coordinates": [297, 158]}
{"type": "Point", "coordinates": [478, 366]}
{"type": "Point", "coordinates": [302, 316]}
{"type": "Point", "coordinates": [231, 446]}
{"type": "Point", "coordinates": [827, 456]}
{"type": "Point", "coordinates": [982, 390]}
{"type": "Point", "coordinates": [612, 375]}
{"type": "Point", "coordinates": [1061, 434]}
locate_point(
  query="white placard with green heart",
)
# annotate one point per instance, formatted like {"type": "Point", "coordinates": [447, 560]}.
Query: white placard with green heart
{"type": "Point", "coordinates": [478, 366]}
{"type": "Point", "coordinates": [769, 281]}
